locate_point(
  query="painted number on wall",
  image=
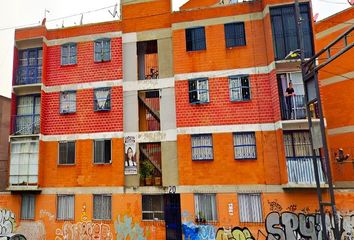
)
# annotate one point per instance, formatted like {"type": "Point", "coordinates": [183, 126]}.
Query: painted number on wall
{"type": "Point", "coordinates": [172, 189]}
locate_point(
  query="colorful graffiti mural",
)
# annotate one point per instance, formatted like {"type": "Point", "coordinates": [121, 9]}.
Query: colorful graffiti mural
{"type": "Point", "coordinates": [84, 230]}
{"type": "Point", "coordinates": [126, 228]}
{"type": "Point", "coordinates": [7, 221]}
{"type": "Point", "coordinates": [193, 231]}
{"type": "Point", "coordinates": [235, 233]}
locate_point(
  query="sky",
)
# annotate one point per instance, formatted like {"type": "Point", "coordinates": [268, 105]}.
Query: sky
{"type": "Point", "coordinates": [19, 13]}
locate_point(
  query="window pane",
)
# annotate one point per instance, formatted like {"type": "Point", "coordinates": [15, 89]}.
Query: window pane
{"type": "Point", "coordinates": [102, 99]}
{"type": "Point", "coordinates": [239, 88]}
{"type": "Point", "coordinates": [250, 207]}
{"type": "Point", "coordinates": [71, 152]}
{"type": "Point", "coordinates": [234, 34]}
{"type": "Point", "coordinates": [65, 209]}
{"type": "Point", "coordinates": [245, 146]}
{"type": "Point", "coordinates": [202, 147]}
{"type": "Point", "coordinates": [153, 207]}
{"type": "Point", "coordinates": [195, 39]}
{"type": "Point", "coordinates": [63, 153]}
{"type": "Point", "coordinates": [205, 207]}
{"type": "Point", "coordinates": [27, 206]}
{"type": "Point", "coordinates": [199, 90]}
{"type": "Point", "coordinates": [68, 102]}
{"type": "Point", "coordinates": [102, 207]}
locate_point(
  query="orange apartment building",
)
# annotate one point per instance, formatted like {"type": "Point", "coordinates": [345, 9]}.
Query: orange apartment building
{"type": "Point", "coordinates": [170, 125]}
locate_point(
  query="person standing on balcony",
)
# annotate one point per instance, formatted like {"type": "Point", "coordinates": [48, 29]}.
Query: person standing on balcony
{"type": "Point", "coordinates": [289, 92]}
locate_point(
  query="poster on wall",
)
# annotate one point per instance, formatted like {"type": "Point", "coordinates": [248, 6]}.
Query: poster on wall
{"type": "Point", "coordinates": [130, 163]}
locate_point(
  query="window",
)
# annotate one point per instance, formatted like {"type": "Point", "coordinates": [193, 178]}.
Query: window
{"type": "Point", "coordinates": [102, 50]}
{"type": "Point", "coordinates": [195, 39]}
{"type": "Point", "coordinates": [198, 90]}
{"type": "Point", "coordinates": [205, 207]}
{"type": "Point", "coordinates": [65, 207]}
{"type": "Point", "coordinates": [250, 207]}
{"type": "Point", "coordinates": [28, 115]}
{"type": "Point", "coordinates": [102, 151]}
{"type": "Point", "coordinates": [68, 102]}
{"type": "Point", "coordinates": [235, 34]}
{"type": "Point", "coordinates": [202, 147]}
{"type": "Point", "coordinates": [68, 54]}
{"type": "Point", "coordinates": [245, 145]}
{"type": "Point", "coordinates": [66, 152]}
{"type": "Point", "coordinates": [102, 99]}
{"type": "Point", "coordinates": [239, 88]}
{"type": "Point", "coordinates": [153, 207]}
{"type": "Point", "coordinates": [284, 30]}
{"type": "Point", "coordinates": [27, 206]}
{"type": "Point", "coordinates": [102, 205]}
{"type": "Point", "coordinates": [29, 66]}
{"type": "Point", "coordinates": [298, 144]}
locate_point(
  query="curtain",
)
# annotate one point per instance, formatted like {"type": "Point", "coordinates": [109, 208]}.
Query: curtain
{"type": "Point", "coordinates": [27, 206]}
{"type": "Point", "coordinates": [202, 147]}
{"type": "Point", "coordinates": [65, 207]}
{"type": "Point", "coordinates": [250, 207]}
{"type": "Point", "coordinates": [245, 145]}
{"type": "Point", "coordinates": [203, 90]}
{"type": "Point", "coordinates": [102, 207]}
{"type": "Point", "coordinates": [205, 206]}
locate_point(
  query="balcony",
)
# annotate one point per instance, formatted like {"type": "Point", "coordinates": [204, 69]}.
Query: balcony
{"type": "Point", "coordinates": [23, 165]}
{"type": "Point", "coordinates": [148, 64]}
{"type": "Point", "coordinates": [26, 124]}
{"type": "Point", "coordinates": [293, 107]}
{"type": "Point", "coordinates": [301, 170]}
{"type": "Point", "coordinates": [150, 164]}
{"type": "Point", "coordinates": [28, 75]}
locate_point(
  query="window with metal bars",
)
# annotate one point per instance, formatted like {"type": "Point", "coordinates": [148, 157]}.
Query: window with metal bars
{"type": "Point", "coordinates": [153, 207]}
{"type": "Point", "coordinates": [29, 66]}
{"type": "Point", "coordinates": [195, 39]}
{"type": "Point", "coordinates": [239, 88]}
{"type": "Point", "coordinates": [102, 151]}
{"type": "Point", "coordinates": [27, 206]}
{"type": "Point", "coordinates": [65, 207]}
{"type": "Point", "coordinates": [102, 50]}
{"type": "Point", "coordinates": [298, 144]}
{"type": "Point", "coordinates": [250, 207]}
{"type": "Point", "coordinates": [102, 207]}
{"type": "Point", "coordinates": [102, 99]}
{"type": "Point", "coordinates": [68, 54]}
{"type": "Point", "coordinates": [67, 102]}
{"type": "Point", "coordinates": [198, 90]}
{"type": "Point", "coordinates": [235, 34]}
{"type": "Point", "coordinates": [67, 152]}
{"type": "Point", "coordinates": [245, 145]}
{"type": "Point", "coordinates": [205, 207]}
{"type": "Point", "coordinates": [202, 147]}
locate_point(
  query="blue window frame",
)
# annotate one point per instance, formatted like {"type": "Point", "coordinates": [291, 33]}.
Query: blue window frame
{"type": "Point", "coordinates": [198, 90]}
{"type": "Point", "coordinates": [239, 88]}
{"type": "Point", "coordinates": [102, 99]}
{"type": "Point", "coordinates": [69, 54]}
{"type": "Point", "coordinates": [67, 102]}
{"type": "Point", "coordinates": [235, 34]}
{"type": "Point", "coordinates": [245, 145]}
{"type": "Point", "coordinates": [284, 30]}
{"type": "Point", "coordinates": [202, 147]}
{"type": "Point", "coordinates": [27, 119]}
{"type": "Point", "coordinates": [103, 50]}
{"type": "Point", "coordinates": [195, 39]}
{"type": "Point", "coordinates": [29, 66]}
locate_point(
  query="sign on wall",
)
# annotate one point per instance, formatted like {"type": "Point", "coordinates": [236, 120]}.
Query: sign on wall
{"type": "Point", "coordinates": [130, 162]}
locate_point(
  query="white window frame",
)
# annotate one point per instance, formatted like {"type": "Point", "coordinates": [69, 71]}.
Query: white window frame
{"type": "Point", "coordinates": [240, 88]}
{"type": "Point", "coordinates": [250, 207]}
{"type": "Point", "coordinates": [199, 90]}
{"type": "Point", "coordinates": [66, 206]}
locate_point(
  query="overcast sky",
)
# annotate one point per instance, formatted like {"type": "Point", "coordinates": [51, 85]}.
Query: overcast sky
{"type": "Point", "coordinates": [24, 12]}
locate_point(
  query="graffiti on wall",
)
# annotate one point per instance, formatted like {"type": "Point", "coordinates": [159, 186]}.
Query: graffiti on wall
{"type": "Point", "coordinates": [32, 230]}
{"type": "Point", "coordinates": [44, 213]}
{"type": "Point", "coordinates": [7, 221]}
{"type": "Point", "coordinates": [235, 233]}
{"type": "Point", "coordinates": [126, 229]}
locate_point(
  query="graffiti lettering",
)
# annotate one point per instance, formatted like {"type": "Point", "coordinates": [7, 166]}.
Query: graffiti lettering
{"type": "Point", "coordinates": [44, 213]}
{"type": "Point", "coordinates": [126, 229]}
{"type": "Point", "coordinates": [7, 221]}
{"type": "Point", "coordinates": [32, 230]}
{"type": "Point", "coordinates": [84, 230]}
{"type": "Point", "coordinates": [198, 232]}
{"type": "Point", "coordinates": [236, 233]}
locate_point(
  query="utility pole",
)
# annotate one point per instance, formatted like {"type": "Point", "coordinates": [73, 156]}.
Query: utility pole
{"type": "Point", "coordinates": [322, 142]}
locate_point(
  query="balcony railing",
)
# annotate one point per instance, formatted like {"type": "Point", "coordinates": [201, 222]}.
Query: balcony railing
{"type": "Point", "coordinates": [293, 108]}
{"type": "Point", "coordinates": [29, 75]}
{"type": "Point", "coordinates": [301, 170]}
{"type": "Point", "coordinates": [26, 124]}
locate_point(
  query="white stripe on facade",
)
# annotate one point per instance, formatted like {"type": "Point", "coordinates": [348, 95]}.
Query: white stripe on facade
{"type": "Point", "coordinates": [83, 38]}
{"type": "Point", "coordinates": [148, 84]}
{"type": "Point", "coordinates": [129, 37]}
{"type": "Point", "coordinates": [81, 86]}
{"type": "Point", "coordinates": [335, 28]}
{"type": "Point", "coordinates": [337, 79]}
{"type": "Point", "coordinates": [81, 136]}
{"type": "Point", "coordinates": [153, 136]}
{"type": "Point", "coordinates": [341, 130]}
{"type": "Point", "coordinates": [227, 73]}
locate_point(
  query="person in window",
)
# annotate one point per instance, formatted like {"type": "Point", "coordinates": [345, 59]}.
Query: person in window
{"type": "Point", "coordinates": [289, 92]}
{"type": "Point", "coordinates": [130, 160]}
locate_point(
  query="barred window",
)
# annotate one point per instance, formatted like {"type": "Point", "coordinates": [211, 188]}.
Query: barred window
{"type": "Point", "coordinates": [250, 207]}
{"type": "Point", "coordinates": [195, 39]}
{"type": "Point", "coordinates": [102, 50]}
{"type": "Point", "coordinates": [198, 90]}
{"type": "Point", "coordinates": [68, 54]}
{"type": "Point", "coordinates": [239, 88]}
{"type": "Point", "coordinates": [102, 151]}
{"type": "Point", "coordinates": [235, 34]}
{"type": "Point", "coordinates": [66, 152]}
{"type": "Point", "coordinates": [298, 144]}
{"type": "Point", "coordinates": [68, 102]}
{"type": "Point", "coordinates": [27, 206]}
{"type": "Point", "coordinates": [102, 207]}
{"type": "Point", "coordinates": [102, 99]}
{"type": "Point", "coordinates": [153, 207]}
{"type": "Point", "coordinates": [245, 145]}
{"type": "Point", "coordinates": [65, 207]}
{"type": "Point", "coordinates": [205, 207]}
{"type": "Point", "coordinates": [202, 147]}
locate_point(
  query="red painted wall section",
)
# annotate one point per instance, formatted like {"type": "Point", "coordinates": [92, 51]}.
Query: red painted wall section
{"type": "Point", "coordinates": [220, 110]}
{"type": "Point", "coordinates": [86, 70]}
{"type": "Point", "coordinates": [85, 120]}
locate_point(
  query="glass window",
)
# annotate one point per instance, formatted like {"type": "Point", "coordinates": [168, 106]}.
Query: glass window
{"type": "Point", "coordinates": [102, 151]}
{"type": "Point", "coordinates": [235, 34]}
{"type": "Point", "coordinates": [245, 145]}
{"type": "Point", "coordinates": [205, 207]}
{"type": "Point", "coordinates": [102, 99]}
{"type": "Point", "coordinates": [67, 102]}
{"type": "Point", "coordinates": [153, 207]}
{"type": "Point", "coordinates": [68, 54]}
{"type": "Point", "coordinates": [65, 207]}
{"type": "Point", "coordinates": [239, 88]}
{"type": "Point", "coordinates": [250, 208]}
{"type": "Point", "coordinates": [202, 147]}
{"type": "Point", "coordinates": [102, 205]}
{"type": "Point", "coordinates": [195, 39]}
{"type": "Point", "coordinates": [198, 90]}
{"type": "Point", "coordinates": [102, 50]}
{"type": "Point", "coordinates": [66, 152]}
{"type": "Point", "coordinates": [27, 206]}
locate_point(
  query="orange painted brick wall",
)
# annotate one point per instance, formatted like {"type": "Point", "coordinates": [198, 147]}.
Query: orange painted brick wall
{"type": "Point", "coordinates": [85, 119]}
{"type": "Point", "coordinates": [86, 70]}
{"type": "Point", "coordinates": [84, 172]}
{"type": "Point", "coordinates": [265, 170]}
{"type": "Point", "coordinates": [220, 110]}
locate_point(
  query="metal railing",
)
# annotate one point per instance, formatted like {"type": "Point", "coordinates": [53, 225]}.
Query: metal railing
{"type": "Point", "coordinates": [26, 124]}
{"type": "Point", "coordinates": [293, 107]}
{"type": "Point", "coordinates": [29, 75]}
{"type": "Point", "coordinates": [301, 171]}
